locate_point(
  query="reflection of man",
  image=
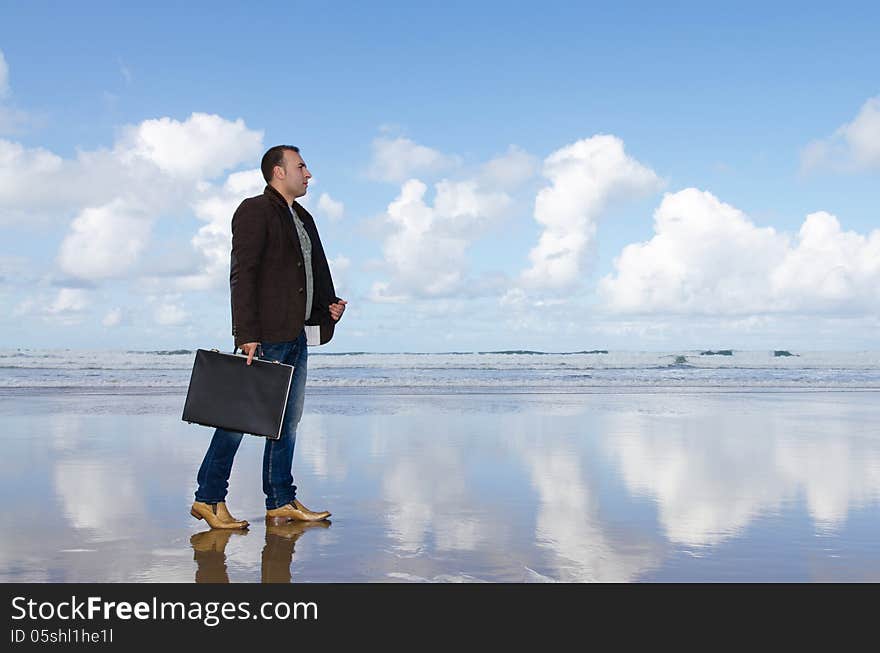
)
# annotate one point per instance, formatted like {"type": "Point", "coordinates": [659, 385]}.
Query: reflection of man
{"type": "Point", "coordinates": [209, 551]}
{"type": "Point", "coordinates": [282, 301]}
{"type": "Point", "coordinates": [278, 551]}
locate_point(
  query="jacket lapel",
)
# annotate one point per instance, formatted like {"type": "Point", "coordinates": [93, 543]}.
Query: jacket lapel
{"type": "Point", "coordinates": [284, 215]}
{"type": "Point", "coordinates": [290, 230]}
{"type": "Point", "coordinates": [319, 262]}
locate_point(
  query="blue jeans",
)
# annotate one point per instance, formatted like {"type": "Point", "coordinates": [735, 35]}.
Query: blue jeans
{"type": "Point", "coordinates": [278, 484]}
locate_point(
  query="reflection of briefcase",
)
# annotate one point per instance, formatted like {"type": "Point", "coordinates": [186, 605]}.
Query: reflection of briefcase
{"type": "Point", "coordinates": [227, 393]}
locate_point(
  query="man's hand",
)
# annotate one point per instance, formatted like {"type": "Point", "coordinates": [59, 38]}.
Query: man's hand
{"type": "Point", "coordinates": [337, 309]}
{"type": "Point", "coordinates": [250, 349]}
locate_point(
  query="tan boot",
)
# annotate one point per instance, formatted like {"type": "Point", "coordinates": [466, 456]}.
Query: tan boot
{"type": "Point", "coordinates": [289, 512]}
{"type": "Point", "coordinates": [224, 514]}
{"type": "Point", "coordinates": [210, 513]}
{"type": "Point", "coordinates": [321, 514]}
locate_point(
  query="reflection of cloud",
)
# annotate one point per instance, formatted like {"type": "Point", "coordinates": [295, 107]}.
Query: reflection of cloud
{"type": "Point", "coordinates": [424, 486]}
{"type": "Point", "coordinates": [323, 454]}
{"type": "Point", "coordinates": [568, 519]}
{"type": "Point", "coordinates": [701, 500]}
{"type": "Point", "coordinates": [833, 475]}
{"type": "Point", "coordinates": [441, 578]}
{"type": "Point", "coordinates": [461, 534]}
{"type": "Point", "coordinates": [119, 506]}
{"type": "Point", "coordinates": [99, 495]}
{"type": "Point", "coordinates": [432, 504]}
{"type": "Point", "coordinates": [419, 490]}
{"type": "Point", "coordinates": [711, 478]}
{"type": "Point", "coordinates": [410, 515]}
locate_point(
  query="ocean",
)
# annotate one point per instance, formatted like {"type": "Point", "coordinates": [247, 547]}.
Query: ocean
{"type": "Point", "coordinates": [508, 371]}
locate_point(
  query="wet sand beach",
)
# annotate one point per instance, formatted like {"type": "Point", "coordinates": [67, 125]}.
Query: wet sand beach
{"type": "Point", "coordinates": [455, 486]}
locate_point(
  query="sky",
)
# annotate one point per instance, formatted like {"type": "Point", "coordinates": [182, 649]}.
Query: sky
{"type": "Point", "coordinates": [556, 176]}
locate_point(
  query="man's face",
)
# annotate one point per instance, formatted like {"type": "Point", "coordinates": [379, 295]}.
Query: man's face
{"type": "Point", "coordinates": [295, 175]}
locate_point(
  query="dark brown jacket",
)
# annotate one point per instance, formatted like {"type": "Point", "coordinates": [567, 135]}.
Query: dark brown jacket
{"type": "Point", "coordinates": [267, 279]}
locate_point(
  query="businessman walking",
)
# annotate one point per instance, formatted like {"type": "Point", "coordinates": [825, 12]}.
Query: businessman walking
{"type": "Point", "coordinates": [283, 300]}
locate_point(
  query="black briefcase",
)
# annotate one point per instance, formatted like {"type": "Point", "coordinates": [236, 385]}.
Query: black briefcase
{"type": "Point", "coordinates": [227, 393]}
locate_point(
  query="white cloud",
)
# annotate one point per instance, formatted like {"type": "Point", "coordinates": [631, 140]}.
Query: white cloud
{"type": "Point", "coordinates": [155, 165]}
{"type": "Point", "coordinates": [67, 307]}
{"type": "Point", "coordinates": [852, 146]}
{"type": "Point", "coordinates": [330, 207]}
{"type": "Point", "coordinates": [396, 159]}
{"type": "Point", "coordinates": [201, 147]}
{"type": "Point", "coordinates": [584, 177]}
{"type": "Point", "coordinates": [53, 304]}
{"type": "Point", "coordinates": [213, 242]}
{"type": "Point", "coordinates": [111, 199]}
{"type": "Point", "coordinates": [169, 313]}
{"type": "Point", "coordinates": [116, 195]}
{"type": "Point", "coordinates": [426, 251]}
{"type": "Point", "coordinates": [707, 257]}
{"type": "Point", "coordinates": [828, 268]}
{"type": "Point", "coordinates": [509, 170]}
{"type": "Point", "coordinates": [112, 318]}
{"type": "Point", "coordinates": [69, 300]}
{"type": "Point", "coordinates": [104, 242]}
{"type": "Point", "coordinates": [20, 171]}
{"type": "Point", "coordinates": [92, 179]}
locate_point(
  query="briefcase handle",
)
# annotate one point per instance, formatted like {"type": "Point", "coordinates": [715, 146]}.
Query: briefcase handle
{"type": "Point", "coordinates": [259, 352]}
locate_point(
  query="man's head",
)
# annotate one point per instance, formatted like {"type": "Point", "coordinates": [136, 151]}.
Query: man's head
{"type": "Point", "coordinates": [284, 169]}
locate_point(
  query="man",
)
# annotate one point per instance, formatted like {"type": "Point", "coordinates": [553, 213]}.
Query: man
{"type": "Point", "coordinates": [282, 301]}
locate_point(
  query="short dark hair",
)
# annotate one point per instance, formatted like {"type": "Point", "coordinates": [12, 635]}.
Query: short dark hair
{"type": "Point", "coordinates": [274, 156]}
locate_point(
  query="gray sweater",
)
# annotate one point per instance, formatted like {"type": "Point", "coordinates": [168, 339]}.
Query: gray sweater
{"type": "Point", "coordinates": [306, 244]}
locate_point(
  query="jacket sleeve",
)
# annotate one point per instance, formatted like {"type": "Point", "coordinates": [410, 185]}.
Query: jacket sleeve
{"type": "Point", "coordinates": [248, 242]}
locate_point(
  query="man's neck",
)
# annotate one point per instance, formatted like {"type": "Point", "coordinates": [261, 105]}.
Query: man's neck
{"type": "Point", "coordinates": [287, 198]}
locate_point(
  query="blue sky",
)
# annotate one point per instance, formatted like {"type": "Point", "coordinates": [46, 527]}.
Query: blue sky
{"type": "Point", "coordinates": [489, 175]}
